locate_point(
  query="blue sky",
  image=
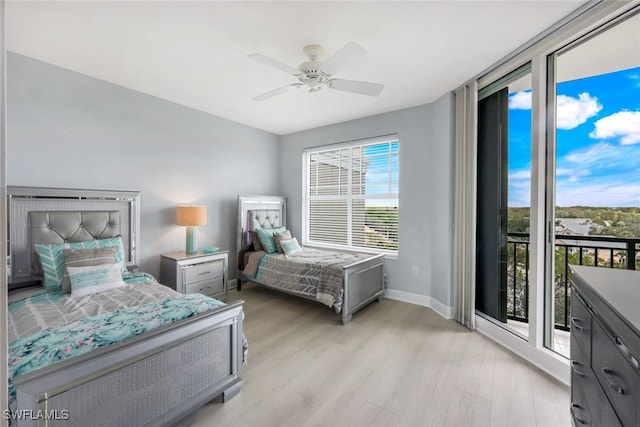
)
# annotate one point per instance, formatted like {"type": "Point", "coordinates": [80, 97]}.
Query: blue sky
{"type": "Point", "coordinates": [383, 167]}
{"type": "Point", "coordinates": [598, 142]}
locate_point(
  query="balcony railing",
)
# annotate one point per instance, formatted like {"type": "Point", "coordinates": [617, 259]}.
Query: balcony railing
{"type": "Point", "coordinates": [598, 251]}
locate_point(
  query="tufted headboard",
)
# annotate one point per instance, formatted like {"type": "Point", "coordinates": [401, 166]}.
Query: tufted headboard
{"type": "Point", "coordinates": [263, 218]}
{"type": "Point", "coordinates": [72, 226]}
{"type": "Point", "coordinates": [258, 212]}
{"type": "Point", "coordinates": [54, 215]}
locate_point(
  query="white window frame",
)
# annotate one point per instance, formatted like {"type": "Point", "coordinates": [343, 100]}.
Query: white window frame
{"type": "Point", "coordinates": [585, 20]}
{"type": "Point", "coordinates": [307, 152]}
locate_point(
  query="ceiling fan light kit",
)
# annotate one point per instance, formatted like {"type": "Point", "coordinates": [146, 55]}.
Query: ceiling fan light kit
{"type": "Point", "coordinates": [316, 75]}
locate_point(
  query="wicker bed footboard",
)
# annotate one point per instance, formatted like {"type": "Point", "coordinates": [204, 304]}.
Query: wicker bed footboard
{"type": "Point", "coordinates": [157, 378]}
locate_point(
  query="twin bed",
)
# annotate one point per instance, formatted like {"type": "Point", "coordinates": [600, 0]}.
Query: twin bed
{"type": "Point", "coordinates": [139, 353]}
{"type": "Point", "coordinates": [344, 281]}
{"type": "Point", "coordinates": [135, 354]}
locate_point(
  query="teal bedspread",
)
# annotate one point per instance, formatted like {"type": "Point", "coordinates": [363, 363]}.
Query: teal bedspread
{"type": "Point", "coordinates": [51, 345]}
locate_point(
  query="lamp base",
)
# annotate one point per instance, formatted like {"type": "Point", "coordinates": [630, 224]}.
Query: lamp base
{"type": "Point", "coordinates": [192, 247]}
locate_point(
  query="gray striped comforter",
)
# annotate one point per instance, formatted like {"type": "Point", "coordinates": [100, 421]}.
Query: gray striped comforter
{"type": "Point", "coordinates": [312, 273]}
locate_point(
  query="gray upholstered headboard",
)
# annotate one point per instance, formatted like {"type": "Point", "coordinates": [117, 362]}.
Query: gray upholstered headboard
{"type": "Point", "coordinates": [54, 215]}
{"type": "Point", "coordinates": [258, 212]}
{"type": "Point", "coordinates": [72, 226]}
{"type": "Point", "coordinates": [263, 218]}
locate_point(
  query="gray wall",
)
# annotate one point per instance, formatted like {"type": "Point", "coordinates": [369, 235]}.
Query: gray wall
{"type": "Point", "coordinates": [426, 190]}
{"type": "Point", "coordinates": [69, 130]}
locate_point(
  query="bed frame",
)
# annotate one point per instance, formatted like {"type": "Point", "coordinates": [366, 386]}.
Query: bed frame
{"type": "Point", "coordinates": [157, 378]}
{"type": "Point", "coordinates": [363, 281]}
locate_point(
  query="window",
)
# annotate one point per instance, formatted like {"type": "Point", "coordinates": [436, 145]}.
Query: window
{"type": "Point", "coordinates": [350, 195]}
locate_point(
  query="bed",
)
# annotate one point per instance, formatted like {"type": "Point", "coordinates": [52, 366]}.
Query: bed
{"type": "Point", "coordinates": [97, 358]}
{"type": "Point", "coordinates": [344, 281]}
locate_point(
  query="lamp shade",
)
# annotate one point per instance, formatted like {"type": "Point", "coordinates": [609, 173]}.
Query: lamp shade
{"type": "Point", "coordinates": [191, 216]}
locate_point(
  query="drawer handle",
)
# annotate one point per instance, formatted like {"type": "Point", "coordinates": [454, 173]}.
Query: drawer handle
{"type": "Point", "coordinates": [575, 406]}
{"type": "Point", "coordinates": [573, 366]}
{"type": "Point", "coordinates": [576, 325]}
{"type": "Point", "coordinates": [204, 273]}
{"type": "Point", "coordinates": [608, 373]}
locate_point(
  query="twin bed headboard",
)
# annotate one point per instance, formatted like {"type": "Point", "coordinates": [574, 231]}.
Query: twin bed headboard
{"type": "Point", "coordinates": [72, 226]}
{"type": "Point", "coordinates": [259, 212]}
{"type": "Point", "coordinates": [54, 215]}
{"type": "Point", "coordinates": [263, 218]}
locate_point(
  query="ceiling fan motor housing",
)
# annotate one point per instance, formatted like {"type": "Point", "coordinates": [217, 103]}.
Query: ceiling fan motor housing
{"type": "Point", "coordinates": [312, 75]}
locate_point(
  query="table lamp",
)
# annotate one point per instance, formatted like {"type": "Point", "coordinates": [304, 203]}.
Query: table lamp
{"type": "Point", "coordinates": [191, 217]}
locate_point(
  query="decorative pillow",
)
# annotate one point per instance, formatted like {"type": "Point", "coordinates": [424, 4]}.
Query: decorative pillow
{"type": "Point", "coordinates": [290, 246]}
{"type": "Point", "coordinates": [52, 257]}
{"type": "Point", "coordinates": [278, 237]}
{"type": "Point", "coordinates": [265, 235]}
{"type": "Point", "coordinates": [257, 246]}
{"type": "Point", "coordinates": [94, 279]}
{"type": "Point", "coordinates": [84, 258]}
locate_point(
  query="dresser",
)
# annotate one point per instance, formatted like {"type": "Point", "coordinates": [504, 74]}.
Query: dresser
{"type": "Point", "coordinates": [204, 273]}
{"type": "Point", "coordinates": [605, 347]}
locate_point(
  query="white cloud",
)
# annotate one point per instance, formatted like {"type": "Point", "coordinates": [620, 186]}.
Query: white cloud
{"type": "Point", "coordinates": [623, 124]}
{"type": "Point", "coordinates": [594, 154]}
{"type": "Point", "coordinates": [598, 194]}
{"type": "Point", "coordinates": [572, 112]}
{"type": "Point", "coordinates": [520, 101]}
{"type": "Point", "coordinates": [522, 174]}
{"type": "Point", "coordinates": [602, 174]}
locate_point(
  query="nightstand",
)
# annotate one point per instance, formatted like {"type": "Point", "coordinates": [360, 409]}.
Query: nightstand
{"type": "Point", "coordinates": [199, 272]}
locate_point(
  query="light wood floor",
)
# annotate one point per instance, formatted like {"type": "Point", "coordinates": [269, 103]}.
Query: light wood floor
{"type": "Point", "coordinates": [395, 364]}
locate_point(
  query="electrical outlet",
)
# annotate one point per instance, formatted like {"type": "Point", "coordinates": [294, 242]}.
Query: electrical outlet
{"type": "Point", "coordinates": [414, 270]}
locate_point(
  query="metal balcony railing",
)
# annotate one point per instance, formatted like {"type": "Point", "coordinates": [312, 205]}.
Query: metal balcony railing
{"type": "Point", "coordinates": [598, 251]}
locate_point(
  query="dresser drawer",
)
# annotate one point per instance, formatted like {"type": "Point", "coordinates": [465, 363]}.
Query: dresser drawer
{"type": "Point", "coordinates": [581, 325]}
{"type": "Point", "coordinates": [619, 380]}
{"type": "Point", "coordinates": [589, 405]}
{"type": "Point", "coordinates": [582, 379]}
{"type": "Point", "coordinates": [204, 271]}
{"type": "Point", "coordinates": [206, 287]}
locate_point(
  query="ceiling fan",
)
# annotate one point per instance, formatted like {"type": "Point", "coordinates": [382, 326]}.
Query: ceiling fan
{"type": "Point", "coordinates": [317, 75]}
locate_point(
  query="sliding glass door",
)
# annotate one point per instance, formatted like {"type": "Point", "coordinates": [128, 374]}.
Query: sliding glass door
{"type": "Point", "coordinates": [503, 193]}
{"type": "Point", "coordinates": [594, 208]}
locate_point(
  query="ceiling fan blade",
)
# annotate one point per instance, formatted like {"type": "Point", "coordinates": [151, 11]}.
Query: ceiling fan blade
{"type": "Point", "coordinates": [350, 52]}
{"type": "Point", "coordinates": [364, 88]}
{"type": "Point", "coordinates": [277, 64]}
{"type": "Point", "coordinates": [274, 92]}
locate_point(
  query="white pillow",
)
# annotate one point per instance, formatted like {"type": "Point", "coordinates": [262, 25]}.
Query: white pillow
{"type": "Point", "coordinates": [94, 279]}
{"type": "Point", "coordinates": [290, 246]}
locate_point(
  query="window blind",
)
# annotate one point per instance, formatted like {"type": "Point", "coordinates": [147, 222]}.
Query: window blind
{"type": "Point", "coordinates": [351, 195]}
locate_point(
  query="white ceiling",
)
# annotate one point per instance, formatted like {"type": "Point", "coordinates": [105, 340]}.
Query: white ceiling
{"type": "Point", "coordinates": [195, 53]}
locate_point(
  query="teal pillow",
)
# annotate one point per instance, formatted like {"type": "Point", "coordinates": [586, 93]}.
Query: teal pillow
{"type": "Point", "coordinates": [265, 235]}
{"type": "Point", "coordinates": [52, 257]}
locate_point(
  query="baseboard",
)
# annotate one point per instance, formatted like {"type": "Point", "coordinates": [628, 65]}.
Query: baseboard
{"type": "Point", "coordinates": [422, 300]}
{"type": "Point", "coordinates": [232, 284]}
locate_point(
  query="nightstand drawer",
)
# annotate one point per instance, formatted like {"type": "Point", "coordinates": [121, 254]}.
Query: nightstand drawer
{"type": "Point", "coordinates": [207, 287]}
{"type": "Point", "coordinates": [205, 271]}
{"type": "Point", "coordinates": [201, 273]}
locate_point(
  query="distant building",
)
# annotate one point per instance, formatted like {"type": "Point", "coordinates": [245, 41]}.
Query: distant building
{"type": "Point", "coordinates": [575, 226]}
{"type": "Point", "coordinates": [582, 227]}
